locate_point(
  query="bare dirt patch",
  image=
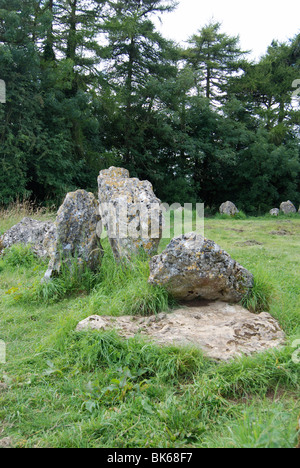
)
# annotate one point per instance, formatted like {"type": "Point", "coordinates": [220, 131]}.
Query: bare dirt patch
{"type": "Point", "coordinates": [6, 443]}
{"type": "Point", "coordinates": [281, 232]}
{"type": "Point", "coordinates": [248, 243]}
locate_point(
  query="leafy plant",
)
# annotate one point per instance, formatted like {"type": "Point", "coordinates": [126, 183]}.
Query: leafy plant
{"type": "Point", "coordinates": [19, 255]}
{"type": "Point", "coordinates": [120, 387]}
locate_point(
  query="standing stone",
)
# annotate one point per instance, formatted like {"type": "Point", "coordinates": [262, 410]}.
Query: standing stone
{"type": "Point", "coordinates": [287, 207]}
{"type": "Point", "coordinates": [274, 212]}
{"type": "Point", "coordinates": [76, 233]}
{"type": "Point", "coordinates": [131, 213]}
{"type": "Point", "coordinates": [194, 267]}
{"type": "Point", "coordinates": [228, 208]}
{"type": "Point", "coordinates": [30, 232]}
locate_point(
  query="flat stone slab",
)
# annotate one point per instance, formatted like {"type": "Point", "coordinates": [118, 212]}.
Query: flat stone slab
{"type": "Point", "coordinates": [220, 330]}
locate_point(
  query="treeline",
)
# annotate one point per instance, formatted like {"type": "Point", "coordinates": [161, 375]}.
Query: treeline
{"type": "Point", "coordinates": [92, 83]}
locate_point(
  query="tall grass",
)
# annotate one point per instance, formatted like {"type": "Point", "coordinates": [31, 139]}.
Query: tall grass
{"type": "Point", "coordinates": [123, 289]}
{"type": "Point", "coordinates": [262, 425]}
{"type": "Point", "coordinates": [259, 298]}
{"type": "Point", "coordinates": [117, 288]}
{"type": "Point", "coordinates": [18, 210]}
{"type": "Point", "coordinates": [64, 388]}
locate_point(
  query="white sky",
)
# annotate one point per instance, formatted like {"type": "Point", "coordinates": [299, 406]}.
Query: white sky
{"type": "Point", "coordinates": [257, 22]}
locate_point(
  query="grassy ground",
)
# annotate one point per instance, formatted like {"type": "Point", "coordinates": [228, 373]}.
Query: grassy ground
{"type": "Point", "coordinates": [61, 388]}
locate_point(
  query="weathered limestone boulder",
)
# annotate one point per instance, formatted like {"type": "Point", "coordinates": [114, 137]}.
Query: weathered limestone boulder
{"type": "Point", "coordinates": [131, 213]}
{"type": "Point", "coordinates": [287, 207]}
{"type": "Point", "coordinates": [220, 330]}
{"type": "Point", "coordinates": [194, 267]}
{"type": "Point", "coordinates": [76, 233]}
{"type": "Point", "coordinates": [30, 232]}
{"type": "Point", "coordinates": [228, 208]}
{"type": "Point", "coordinates": [274, 212]}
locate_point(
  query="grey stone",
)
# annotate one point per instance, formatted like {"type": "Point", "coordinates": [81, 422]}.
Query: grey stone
{"type": "Point", "coordinates": [76, 236]}
{"type": "Point", "coordinates": [30, 232]}
{"type": "Point", "coordinates": [228, 208]}
{"type": "Point", "coordinates": [274, 212]}
{"type": "Point", "coordinates": [287, 207]}
{"type": "Point", "coordinates": [131, 213]}
{"type": "Point", "coordinates": [220, 330]}
{"type": "Point", "coordinates": [192, 266]}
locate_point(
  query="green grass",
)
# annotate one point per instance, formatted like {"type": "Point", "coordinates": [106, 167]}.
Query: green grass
{"type": "Point", "coordinates": [64, 388]}
{"type": "Point", "coordinates": [240, 215]}
{"type": "Point", "coordinates": [259, 298]}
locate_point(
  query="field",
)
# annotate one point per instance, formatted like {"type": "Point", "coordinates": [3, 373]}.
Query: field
{"type": "Point", "coordinates": [61, 388]}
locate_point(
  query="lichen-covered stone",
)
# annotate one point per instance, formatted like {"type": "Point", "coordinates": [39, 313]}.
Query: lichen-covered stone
{"type": "Point", "coordinates": [76, 233]}
{"type": "Point", "coordinates": [228, 208]}
{"type": "Point", "coordinates": [131, 213]}
{"type": "Point", "coordinates": [30, 232]}
{"type": "Point", "coordinates": [194, 267]}
{"type": "Point", "coordinates": [287, 207]}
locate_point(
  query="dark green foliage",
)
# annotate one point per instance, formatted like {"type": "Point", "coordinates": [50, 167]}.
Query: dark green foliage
{"type": "Point", "coordinates": [46, 118]}
{"type": "Point", "coordinates": [92, 84]}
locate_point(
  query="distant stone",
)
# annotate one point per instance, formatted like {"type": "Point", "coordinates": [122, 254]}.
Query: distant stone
{"type": "Point", "coordinates": [131, 213]}
{"type": "Point", "coordinates": [287, 207]}
{"type": "Point", "coordinates": [30, 232]}
{"type": "Point", "coordinates": [274, 212]}
{"type": "Point", "coordinates": [228, 208]}
{"type": "Point", "coordinates": [194, 267]}
{"type": "Point", "coordinates": [76, 238]}
{"type": "Point", "coordinates": [219, 330]}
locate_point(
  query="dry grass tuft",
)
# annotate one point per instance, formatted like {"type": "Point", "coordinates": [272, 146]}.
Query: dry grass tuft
{"type": "Point", "coordinates": [15, 212]}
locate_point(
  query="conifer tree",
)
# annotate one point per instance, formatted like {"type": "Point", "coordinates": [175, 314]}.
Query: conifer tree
{"type": "Point", "coordinates": [214, 57]}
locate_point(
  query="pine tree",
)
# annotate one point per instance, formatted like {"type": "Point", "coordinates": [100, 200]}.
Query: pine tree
{"type": "Point", "coordinates": [267, 87]}
{"type": "Point", "coordinates": [138, 57]}
{"type": "Point", "coordinates": [214, 57]}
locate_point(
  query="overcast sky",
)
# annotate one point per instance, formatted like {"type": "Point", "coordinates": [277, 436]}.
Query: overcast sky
{"type": "Point", "coordinates": [257, 22]}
